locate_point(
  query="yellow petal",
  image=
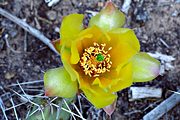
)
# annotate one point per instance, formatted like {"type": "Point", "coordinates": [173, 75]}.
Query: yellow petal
{"type": "Point", "coordinates": [74, 53]}
{"type": "Point", "coordinates": [84, 80]}
{"type": "Point", "coordinates": [65, 57]}
{"type": "Point", "coordinates": [108, 79]}
{"type": "Point", "coordinates": [76, 49]}
{"type": "Point", "coordinates": [96, 34]}
{"type": "Point", "coordinates": [70, 27]}
{"type": "Point", "coordinates": [57, 45]}
{"type": "Point", "coordinates": [96, 82]}
{"type": "Point", "coordinates": [125, 79]}
{"type": "Point", "coordinates": [103, 81]}
{"type": "Point", "coordinates": [127, 35]}
{"type": "Point", "coordinates": [85, 39]}
{"type": "Point", "coordinates": [120, 48]}
{"type": "Point", "coordinates": [124, 45]}
{"type": "Point", "coordinates": [99, 97]}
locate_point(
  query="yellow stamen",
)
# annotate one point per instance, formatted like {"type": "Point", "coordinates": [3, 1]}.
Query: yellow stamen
{"type": "Point", "coordinates": [96, 60]}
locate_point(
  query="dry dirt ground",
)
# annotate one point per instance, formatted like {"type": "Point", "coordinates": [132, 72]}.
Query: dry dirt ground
{"type": "Point", "coordinates": [156, 23]}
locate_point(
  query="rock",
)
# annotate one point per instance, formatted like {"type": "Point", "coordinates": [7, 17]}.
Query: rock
{"type": "Point", "coordinates": [142, 15]}
{"type": "Point", "coordinates": [9, 75]}
{"type": "Point", "coordinates": [175, 13]}
{"type": "Point", "coordinates": [36, 68]}
{"type": "Point", "coordinates": [56, 29]}
{"type": "Point", "coordinates": [52, 15]}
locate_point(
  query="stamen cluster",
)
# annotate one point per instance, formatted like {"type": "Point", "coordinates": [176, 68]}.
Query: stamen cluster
{"type": "Point", "coordinates": [96, 60]}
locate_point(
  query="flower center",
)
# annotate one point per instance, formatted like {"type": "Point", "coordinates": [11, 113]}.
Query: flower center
{"type": "Point", "coordinates": [96, 60]}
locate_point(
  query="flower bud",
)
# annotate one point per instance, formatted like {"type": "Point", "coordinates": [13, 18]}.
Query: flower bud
{"type": "Point", "coordinates": [108, 18]}
{"type": "Point", "coordinates": [145, 68]}
{"type": "Point", "coordinates": [57, 82]}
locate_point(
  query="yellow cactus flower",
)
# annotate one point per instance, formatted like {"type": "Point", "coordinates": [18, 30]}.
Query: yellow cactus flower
{"type": "Point", "coordinates": [100, 60]}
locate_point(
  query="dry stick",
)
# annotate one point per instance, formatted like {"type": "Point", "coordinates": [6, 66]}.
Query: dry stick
{"type": "Point", "coordinates": [164, 107]}
{"type": "Point", "coordinates": [28, 28]}
{"type": "Point", "coordinates": [25, 42]}
{"type": "Point", "coordinates": [126, 6]}
{"type": "Point", "coordinates": [8, 45]}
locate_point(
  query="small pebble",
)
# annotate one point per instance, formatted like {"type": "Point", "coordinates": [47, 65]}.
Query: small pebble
{"type": "Point", "coordinates": [36, 68]}
{"type": "Point", "coordinates": [175, 13]}
{"type": "Point", "coordinates": [9, 75]}
{"type": "Point", "coordinates": [100, 4]}
{"type": "Point", "coordinates": [13, 32]}
{"type": "Point", "coordinates": [51, 15]}
{"type": "Point", "coordinates": [142, 15]}
{"type": "Point", "coordinates": [57, 29]}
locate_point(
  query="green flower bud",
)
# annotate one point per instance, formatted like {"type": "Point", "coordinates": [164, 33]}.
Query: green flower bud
{"type": "Point", "coordinates": [58, 82]}
{"type": "Point", "coordinates": [145, 68]}
{"type": "Point", "coordinates": [108, 18]}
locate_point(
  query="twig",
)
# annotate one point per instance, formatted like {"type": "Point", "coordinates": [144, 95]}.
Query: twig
{"type": "Point", "coordinates": [8, 45]}
{"type": "Point", "coordinates": [132, 112]}
{"type": "Point", "coordinates": [51, 2]}
{"type": "Point", "coordinates": [164, 43]}
{"type": "Point", "coordinates": [37, 23]}
{"type": "Point", "coordinates": [29, 29]}
{"type": "Point", "coordinates": [25, 42]}
{"type": "Point", "coordinates": [44, 20]}
{"type": "Point", "coordinates": [126, 6]}
{"type": "Point", "coordinates": [165, 61]}
{"type": "Point", "coordinates": [174, 92]}
{"type": "Point", "coordinates": [91, 12]}
{"type": "Point", "coordinates": [152, 105]}
{"type": "Point", "coordinates": [164, 107]}
{"type": "Point", "coordinates": [145, 92]}
{"type": "Point", "coordinates": [162, 57]}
